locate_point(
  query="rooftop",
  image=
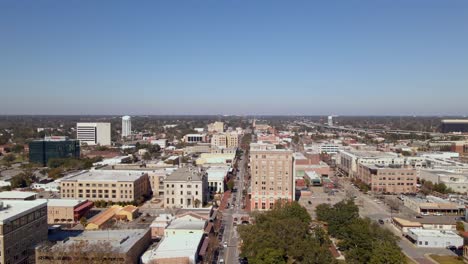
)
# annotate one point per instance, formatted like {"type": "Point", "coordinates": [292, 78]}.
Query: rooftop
{"type": "Point", "coordinates": [120, 240]}
{"type": "Point", "coordinates": [184, 173]}
{"type": "Point", "coordinates": [187, 223]}
{"type": "Point", "coordinates": [451, 121]}
{"type": "Point", "coordinates": [433, 233]}
{"type": "Point", "coordinates": [12, 209]}
{"type": "Point", "coordinates": [370, 154]}
{"type": "Point", "coordinates": [105, 175]}
{"type": "Point", "coordinates": [16, 195]}
{"type": "Point", "coordinates": [63, 202]}
{"type": "Point", "coordinates": [217, 173]}
{"type": "Point", "coordinates": [180, 245]}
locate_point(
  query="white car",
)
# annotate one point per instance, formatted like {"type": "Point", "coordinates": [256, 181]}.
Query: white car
{"type": "Point", "coordinates": [225, 244]}
{"type": "Point", "coordinates": [424, 213]}
{"type": "Point", "coordinates": [438, 214]}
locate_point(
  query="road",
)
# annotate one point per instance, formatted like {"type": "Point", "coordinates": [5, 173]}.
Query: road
{"type": "Point", "coordinates": [231, 253]}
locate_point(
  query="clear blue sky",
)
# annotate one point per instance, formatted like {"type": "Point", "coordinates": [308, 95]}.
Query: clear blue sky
{"type": "Point", "coordinates": [234, 57]}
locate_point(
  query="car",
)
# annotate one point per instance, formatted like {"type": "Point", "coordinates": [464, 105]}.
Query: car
{"type": "Point", "coordinates": [221, 261]}
{"type": "Point", "coordinates": [419, 216]}
{"type": "Point", "coordinates": [225, 244]}
{"type": "Point", "coordinates": [381, 221]}
{"type": "Point", "coordinates": [424, 213]}
{"type": "Point", "coordinates": [438, 214]}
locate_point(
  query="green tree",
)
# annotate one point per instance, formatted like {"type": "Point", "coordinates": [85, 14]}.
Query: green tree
{"type": "Point", "coordinates": [230, 184]}
{"type": "Point", "coordinates": [9, 157]}
{"type": "Point", "coordinates": [460, 226]}
{"type": "Point", "coordinates": [147, 156]}
{"type": "Point", "coordinates": [386, 253]}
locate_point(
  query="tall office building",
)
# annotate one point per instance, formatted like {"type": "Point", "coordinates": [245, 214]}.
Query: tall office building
{"type": "Point", "coordinates": [272, 179]}
{"type": "Point", "coordinates": [330, 120]}
{"type": "Point", "coordinates": [40, 151]}
{"type": "Point", "coordinates": [94, 133]}
{"type": "Point", "coordinates": [126, 126]}
{"type": "Point", "coordinates": [455, 125]}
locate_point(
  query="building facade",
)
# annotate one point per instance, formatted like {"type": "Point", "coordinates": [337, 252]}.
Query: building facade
{"type": "Point", "coordinates": [94, 133]}
{"type": "Point", "coordinates": [40, 151]}
{"type": "Point", "coordinates": [23, 225]}
{"type": "Point", "coordinates": [388, 179]}
{"type": "Point", "coordinates": [454, 125]}
{"type": "Point", "coordinates": [126, 126]}
{"type": "Point", "coordinates": [272, 177]}
{"type": "Point", "coordinates": [194, 138]}
{"type": "Point", "coordinates": [216, 127]}
{"type": "Point", "coordinates": [108, 185]}
{"type": "Point", "coordinates": [66, 211]}
{"type": "Point", "coordinates": [186, 188]}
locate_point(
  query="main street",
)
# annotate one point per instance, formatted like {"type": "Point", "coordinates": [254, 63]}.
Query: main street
{"type": "Point", "coordinates": [230, 235]}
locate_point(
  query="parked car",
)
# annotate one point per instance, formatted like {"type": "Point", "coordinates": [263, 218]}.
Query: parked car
{"type": "Point", "coordinates": [452, 247]}
{"type": "Point", "coordinates": [225, 244]}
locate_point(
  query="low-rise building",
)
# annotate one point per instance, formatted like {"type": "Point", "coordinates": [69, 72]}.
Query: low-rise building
{"type": "Point", "coordinates": [182, 248]}
{"type": "Point", "coordinates": [194, 138]}
{"type": "Point", "coordinates": [216, 178]}
{"type": "Point", "coordinates": [66, 211]}
{"type": "Point", "coordinates": [388, 178]}
{"type": "Point", "coordinates": [207, 159]}
{"type": "Point", "coordinates": [108, 185]}
{"type": "Point", "coordinates": [18, 195]}
{"type": "Point", "coordinates": [118, 246]}
{"type": "Point", "coordinates": [434, 238]}
{"type": "Point", "coordinates": [99, 221]}
{"type": "Point", "coordinates": [158, 226]}
{"type": "Point", "coordinates": [186, 187]}
{"type": "Point", "coordinates": [431, 205]}
{"type": "Point", "coordinates": [23, 225]}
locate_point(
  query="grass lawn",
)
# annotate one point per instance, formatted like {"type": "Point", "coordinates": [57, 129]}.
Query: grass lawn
{"type": "Point", "coordinates": [446, 259]}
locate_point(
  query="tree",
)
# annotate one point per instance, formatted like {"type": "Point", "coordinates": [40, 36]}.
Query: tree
{"type": "Point", "coordinates": [147, 156]}
{"type": "Point", "coordinates": [9, 157]}
{"type": "Point", "coordinates": [83, 221]}
{"type": "Point", "coordinates": [386, 253]}
{"type": "Point", "coordinates": [460, 226]}
{"type": "Point", "coordinates": [230, 184]}
{"type": "Point", "coordinates": [197, 203]}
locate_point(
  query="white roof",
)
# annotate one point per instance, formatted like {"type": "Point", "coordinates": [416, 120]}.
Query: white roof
{"type": "Point", "coordinates": [180, 245]}
{"type": "Point", "coordinates": [433, 233]}
{"type": "Point", "coordinates": [105, 175]}
{"type": "Point", "coordinates": [187, 224]}
{"type": "Point", "coordinates": [63, 202]}
{"type": "Point", "coordinates": [217, 173]}
{"type": "Point", "coordinates": [12, 209]}
{"type": "Point", "coordinates": [16, 195]}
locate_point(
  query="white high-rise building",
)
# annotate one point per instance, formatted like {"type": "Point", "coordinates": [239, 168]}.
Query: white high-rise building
{"type": "Point", "coordinates": [94, 133]}
{"type": "Point", "coordinates": [126, 126]}
{"type": "Point", "coordinates": [330, 120]}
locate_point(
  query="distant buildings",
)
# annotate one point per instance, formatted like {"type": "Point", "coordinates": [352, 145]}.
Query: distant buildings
{"type": "Point", "coordinates": [109, 246]}
{"type": "Point", "coordinates": [186, 188]}
{"type": "Point", "coordinates": [23, 225]}
{"type": "Point", "coordinates": [330, 121]}
{"type": "Point", "coordinates": [272, 178]}
{"type": "Point", "coordinates": [94, 133]}
{"type": "Point", "coordinates": [126, 126]}
{"type": "Point", "coordinates": [455, 125]}
{"type": "Point", "coordinates": [387, 178]}
{"type": "Point", "coordinates": [194, 138]}
{"type": "Point", "coordinates": [107, 185]}
{"type": "Point", "coordinates": [40, 151]}
{"type": "Point", "coordinates": [216, 127]}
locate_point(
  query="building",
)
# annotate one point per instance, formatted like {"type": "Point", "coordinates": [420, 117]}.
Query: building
{"type": "Point", "coordinates": [40, 151]}
{"type": "Point", "coordinates": [431, 205]}
{"type": "Point", "coordinates": [162, 142]}
{"type": "Point", "coordinates": [159, 224]}
{"type": "Point", "coordinates": [23, 225]}
{"type": "Point", "coordinates": [108, 185]}
{"type": "Point", "coordinates": [186, 187]}
{"type": "Point", "coordinates": [216, 178]}
{"type": "Point", "coordinates": [388, 178]}
{"type": "Point", "coordinates": [119, 246]}
{"type": "Point", "coordinates": [457, 181]}
{"type": "Point", "coordinates": [225, 140]}
{"type": "Point", "coordinates": [128, 213]}
{"type": "Point", "coordinates": [18, 195]}
{"type": "Point", "coordinates": [194, 138]}
{"type": "Point", "coordinates": [434, 238]}
{"type": "Point", "coordinates": [454, 125]}
{"type": "Point", "coordinates": [94, 133]}
{"type": "Point", "coordinates": [66, 211]}
{"type": "Point", "coordinates": [216, 158]}
{"type": "Point", "coordinates": [272, 177]}
{"type": "Point", "coordinates": [330, 121]}
{"type": "Point", "coordinates": [216, 127]}
{"type": "Point", "coordinates": [126, 126]}
{"type": "Point", "coordinates": [348, 160]}
{"type": "Point", "coordinates": [182, 249]}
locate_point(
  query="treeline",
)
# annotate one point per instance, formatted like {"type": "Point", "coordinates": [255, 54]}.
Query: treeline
{"type": "Point", "coordinates": [283, 235]}
{"type": "Point", "coordinates": [428, 187]}
{"type": "Point", "coordinates": [362, 240]}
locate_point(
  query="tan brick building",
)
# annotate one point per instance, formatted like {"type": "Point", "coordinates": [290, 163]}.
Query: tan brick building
{"type": "Point", "coordinates": [272, 178]}
{"type": "Point", "coordinates": [66, 211]}
{"type": "Point", "coordinates": [388, 178]}
{"type": "Point", "coordinates": [23, 225]}
{"type": "Point", "coordinates": [108, 185]}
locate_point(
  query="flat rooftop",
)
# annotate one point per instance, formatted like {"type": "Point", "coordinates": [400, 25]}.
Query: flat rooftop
{"type": "Point", "coordinates": [180, 223]}
{"type": "Point", "coordinates": [455, 121]}
{"type": "Point", "coordinates": [217, 173]}
{"type": "Point", "coordinates": [433, 233]}
{"type": "Point", "coordinates": [371, 154]}
{"type": "Point", "coordinates": [180, 245]}
{"type": "Point", "coordinates": [16, 195]}
{"type": "Point", "coordinates": [12, 209]}
{"type": "Point", "coordinates": [63, 202]}
{"type": "Point", "coordinates": [120, 240]}
{"type": "Point", "coordinates": [105, 175]}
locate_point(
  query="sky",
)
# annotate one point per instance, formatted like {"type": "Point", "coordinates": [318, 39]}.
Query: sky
{"type": "Point", "coordinates": [234, 57]}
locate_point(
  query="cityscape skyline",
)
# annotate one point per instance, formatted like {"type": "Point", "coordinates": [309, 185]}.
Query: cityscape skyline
{"type": "Point", "coordinates": [353, 58]}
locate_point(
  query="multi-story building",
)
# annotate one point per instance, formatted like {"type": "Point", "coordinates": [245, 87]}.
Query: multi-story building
{"type": "Point", "coordinates": [272, 178]}
{"type": "Point", "coordinates": [225, 140]}
{"type": "Point", "coordinates": [23, 225]}
{"type": "Point", "coordinates": [388, 178]}
{"type": "Point", "coordinates": [455, 125]}
{"type": "Point", "coordinates": [126, 126]}
{"type": "Point", "coordinates": [216, 127]}
{"type": "Point", "coordinates": [186, 187]}
{"type": "Point", "coordinates": [94, 133]}
{"type": "Point", "coordinates": [216, 178]}
{"type": "Point", "coordinates": [194, 138]}
{"type": "Point", "coordinates": [108, 185]}
{"type": "Point", "coordinates": [66, 211]}
{"type": "Point", "coordinates": [40, 151]}
{"type": "Point", "coordinates": [109, 246]}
